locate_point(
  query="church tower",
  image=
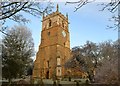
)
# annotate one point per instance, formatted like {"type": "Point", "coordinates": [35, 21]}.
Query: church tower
{"type": "Point", "coordinates": [54, 49]}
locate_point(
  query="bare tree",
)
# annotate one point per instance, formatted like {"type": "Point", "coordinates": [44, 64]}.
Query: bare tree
{"type": "Point", "coordinates": [107, 73]}
{"type": "Point", "coordinates": [79, 3]}
{"type": "Point", "coordinates": [86, 57]}
{"type": "Point", "coordinates": [112, 6]}
{"type": "Point", "coordinates": [14, 11]}
{"type": "Point", "coordinates": [100, 61]}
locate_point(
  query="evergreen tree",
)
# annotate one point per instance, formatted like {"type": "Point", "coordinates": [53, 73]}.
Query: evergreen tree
{"type": "Point", "coordinates": [17, 50]}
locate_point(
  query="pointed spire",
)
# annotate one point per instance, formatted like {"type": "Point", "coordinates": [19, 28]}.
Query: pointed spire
{"type": "Point", "coordinates": [57, 8]}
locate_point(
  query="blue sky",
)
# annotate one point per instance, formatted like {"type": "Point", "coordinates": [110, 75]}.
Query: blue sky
{"type": "Point", "coordinates": [88, 23]}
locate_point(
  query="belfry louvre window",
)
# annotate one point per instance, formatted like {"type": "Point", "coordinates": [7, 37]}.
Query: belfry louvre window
{"type": "Point", "coordinates": [63, 24]}
{"type": "Point", "coordinates": [58, 61]}
{"type": "Point", "coordinates": [50, 23]}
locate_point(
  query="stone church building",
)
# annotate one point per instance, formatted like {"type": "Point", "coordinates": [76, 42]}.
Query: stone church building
{"type": "Point", "coordinates": [54, 49]}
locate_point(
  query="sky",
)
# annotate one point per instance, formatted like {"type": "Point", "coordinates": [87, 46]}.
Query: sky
{"type": "Point", "coordinates": [87, 23]}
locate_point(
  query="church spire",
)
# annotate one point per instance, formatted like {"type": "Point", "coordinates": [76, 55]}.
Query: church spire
{"type": "Point", "coordinates": [57, 8]}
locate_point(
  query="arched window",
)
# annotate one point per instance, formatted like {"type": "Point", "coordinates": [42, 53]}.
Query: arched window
{"type": "Point", "coordinates": [49, 23]}
{"type": "Point", "coordinates": [59, 72]}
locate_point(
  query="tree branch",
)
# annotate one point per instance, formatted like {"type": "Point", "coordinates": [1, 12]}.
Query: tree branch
{"type": "Point", "coordinates": [14, 12]}
{"type": "Point", "coordinates": [80, 3]}
{"type": "Point", "coordinates": [3, 6]}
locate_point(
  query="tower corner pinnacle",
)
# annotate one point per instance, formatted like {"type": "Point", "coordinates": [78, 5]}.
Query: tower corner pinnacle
{"type": "Point", "coordinates": [43, 14]}
{"type": "Point", "coordinates": [57, 8]}
{"type": "Point", "coordinates": [67, 15]}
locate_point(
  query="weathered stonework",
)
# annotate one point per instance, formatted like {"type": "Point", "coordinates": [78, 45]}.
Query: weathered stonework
{"type": "Point", "coordinates": [54, 49]}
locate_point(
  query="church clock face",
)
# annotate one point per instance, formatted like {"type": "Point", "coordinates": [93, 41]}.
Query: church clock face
{"type": "Point", "coordinates": [63, 33]}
